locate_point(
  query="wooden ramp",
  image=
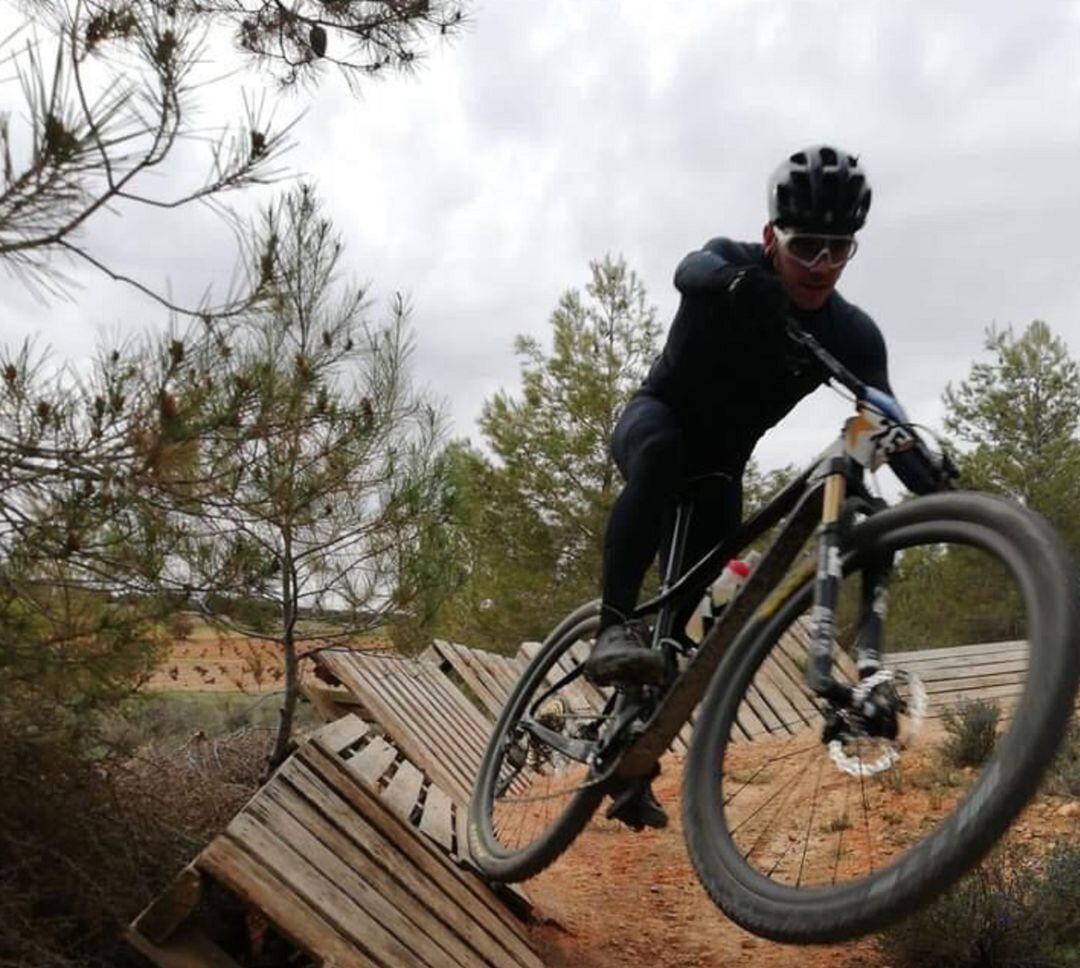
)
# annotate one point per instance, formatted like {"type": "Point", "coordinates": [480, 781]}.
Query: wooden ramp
{"type": "Point", "coordinates": [350, 852]}
{"type": "Point", "coordinates": [421, 711]}
{"type": "Point", "coordinates": [993, 671]}
{"type": "Point", "coordinates": [487, 676]}
{"type": "Point", "coordinates": [778, 701]}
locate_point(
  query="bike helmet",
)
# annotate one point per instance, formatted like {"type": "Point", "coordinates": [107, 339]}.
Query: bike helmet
{"type": "Point", "coordinates": [819, 189]}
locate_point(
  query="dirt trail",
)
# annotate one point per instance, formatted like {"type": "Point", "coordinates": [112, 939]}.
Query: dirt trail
{"type": "Point", "coordinates": [624, 898]}
{"type": "Point", "coordinates": [617, 898]}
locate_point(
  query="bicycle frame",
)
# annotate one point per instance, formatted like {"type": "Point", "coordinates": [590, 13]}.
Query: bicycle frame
{"type": "Point", "coordinates": [827, 482]}
{"type": "Point", "coordinates": [836, 475]}
{"type": "Point", "coordinates": [817, 497]}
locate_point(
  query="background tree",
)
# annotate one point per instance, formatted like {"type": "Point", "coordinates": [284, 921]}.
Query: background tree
{"type": "Point", "coordinates": [315, 467]}
{"type": "Point", "coordinates": [110, 89]}
{"type": "Point", "coordinates": [95, 460]}
{"type": "Point", "coordinates": [1016, 416]}
{"type": "Point", "coordinates": [531, 517]}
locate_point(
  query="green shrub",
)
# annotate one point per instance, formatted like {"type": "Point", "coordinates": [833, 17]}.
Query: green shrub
{"type": "Point", "coordinates": [1063, 779]}
{"type": "Point", "coordinates": [180, 625]}
{"type": "Point", "coordinates": [1010, 912]}
{"type": "Point", "coordinates": [972, 728]}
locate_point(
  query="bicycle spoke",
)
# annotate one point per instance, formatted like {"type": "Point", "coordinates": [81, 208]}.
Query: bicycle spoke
{"type": "Point", "coordinates": [810, 821]}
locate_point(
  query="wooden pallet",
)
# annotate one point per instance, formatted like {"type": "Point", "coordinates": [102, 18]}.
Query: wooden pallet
{"type": "Point", "coordinates": [487, 676]}
{"type": "Point", "coordinates": [350, 852]}
{"type": "Point", "coordinates": [421, 711]}
{"type": "Point", "coordinates": [954, 675]}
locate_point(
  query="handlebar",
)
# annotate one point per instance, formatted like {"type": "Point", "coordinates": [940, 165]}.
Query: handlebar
{"type": "Point", "coordinates": [836, 369]}
{"type": "Point", "coordinates": [943, 468]}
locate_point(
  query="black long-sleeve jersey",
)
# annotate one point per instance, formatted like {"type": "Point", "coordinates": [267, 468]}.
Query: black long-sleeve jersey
{"type": "Point", "coordinates": [728, 384]}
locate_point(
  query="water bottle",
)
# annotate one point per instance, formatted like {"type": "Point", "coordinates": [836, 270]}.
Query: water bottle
{"type": "Point", "coordinates": [724, 589]}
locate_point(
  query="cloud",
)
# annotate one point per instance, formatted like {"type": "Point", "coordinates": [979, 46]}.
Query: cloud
{"type": "Point", "coordinates": [552, 133]}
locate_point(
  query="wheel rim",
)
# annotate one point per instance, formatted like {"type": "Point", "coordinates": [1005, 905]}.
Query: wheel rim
{"type": "Point", "coordinates": [532, 784]}
{"type": "Point", "coordinates": [793, 818]}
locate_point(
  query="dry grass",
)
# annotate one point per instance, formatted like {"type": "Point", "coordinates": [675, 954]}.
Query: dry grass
{"type": "Point", "coordinates": [86, 844]}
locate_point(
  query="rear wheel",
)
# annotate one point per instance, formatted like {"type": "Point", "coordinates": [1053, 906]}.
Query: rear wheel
{"type": "Point", "coordinates": [801, 840]}
{"type": "Point", "coordinates": [536, 789]}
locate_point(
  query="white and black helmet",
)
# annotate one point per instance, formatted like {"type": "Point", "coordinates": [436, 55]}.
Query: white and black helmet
{"type": "Point", "coordinates": [819, 189]}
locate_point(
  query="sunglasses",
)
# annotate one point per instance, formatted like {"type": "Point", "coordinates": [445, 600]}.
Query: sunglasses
{"type": "Point", "coordinates": [808, 249]}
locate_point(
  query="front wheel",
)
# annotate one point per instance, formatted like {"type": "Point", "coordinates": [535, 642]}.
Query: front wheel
{"type": "Point", "coordinates": [536, 790]}
{"type": "Point", "coordinates": [802, 832]}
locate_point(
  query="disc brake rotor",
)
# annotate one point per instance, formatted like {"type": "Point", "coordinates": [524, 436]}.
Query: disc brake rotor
{"type": "Point", "coordinates": [885, 753]}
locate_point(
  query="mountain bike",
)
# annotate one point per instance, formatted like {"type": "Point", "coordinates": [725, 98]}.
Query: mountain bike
{"type": "Point", "coordinates": [818, 802]}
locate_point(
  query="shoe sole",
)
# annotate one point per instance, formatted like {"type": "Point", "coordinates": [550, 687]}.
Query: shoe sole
{"type": "Point", "coordinates": [625, 671]}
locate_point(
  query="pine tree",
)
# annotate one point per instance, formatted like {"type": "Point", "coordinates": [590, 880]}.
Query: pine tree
{"type": "Point", "coordinates": [534, 516]}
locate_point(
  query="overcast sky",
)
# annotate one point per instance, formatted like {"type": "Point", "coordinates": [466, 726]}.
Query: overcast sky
{"type": "Point", "coordinates": [553, 132]}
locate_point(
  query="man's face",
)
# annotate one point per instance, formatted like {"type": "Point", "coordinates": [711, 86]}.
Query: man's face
{"type": "Point", "coordinates": [807, 287]}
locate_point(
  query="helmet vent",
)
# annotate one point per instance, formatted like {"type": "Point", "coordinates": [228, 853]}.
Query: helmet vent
{"type": "Point", "coordinates": [819, 188]}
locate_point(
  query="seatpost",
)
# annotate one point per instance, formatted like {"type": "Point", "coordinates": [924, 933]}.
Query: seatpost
{"type": "Point", "coordinates": [676, 553]}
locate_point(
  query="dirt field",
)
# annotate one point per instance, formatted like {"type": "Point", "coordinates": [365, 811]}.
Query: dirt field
{"type": "Point", "coordinates": [623, 899]}
{"type": "Point", "coordinates": [211, 661]}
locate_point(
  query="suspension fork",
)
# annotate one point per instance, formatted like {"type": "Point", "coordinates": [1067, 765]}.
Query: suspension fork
{"type": "Point", "coordinates": [827, 578]}
{"type": "Point", "coordinates": [873, 597]}
{"type": "Point", "coordinates": [873, 606]}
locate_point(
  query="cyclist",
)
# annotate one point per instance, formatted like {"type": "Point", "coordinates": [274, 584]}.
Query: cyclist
{"type": "Point", "coordinates": [727, 373]}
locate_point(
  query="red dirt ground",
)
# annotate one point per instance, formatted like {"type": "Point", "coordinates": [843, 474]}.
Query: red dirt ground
{"type": "Point", "coordinates": [619, 898]}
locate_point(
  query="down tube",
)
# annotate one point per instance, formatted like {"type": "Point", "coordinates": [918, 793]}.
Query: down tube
{"type": "Point", "coordinates": [675, 708]}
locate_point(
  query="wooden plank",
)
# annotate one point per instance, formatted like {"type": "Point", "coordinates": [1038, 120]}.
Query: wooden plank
{"type": "Point", "coordinates": [505, 671]}
{"type": "Point", "coordinates": [483, 691]}
{"type": "Point", "coordinates": [581, 689]}
{"type": "Point", "coordinates": [188, 947]}
{"type": "Point", "coordinates": [370, 887]}
{"type": "Point", "coordinates": [165, 914]}
{"type": "Point", "coordinates": [754, 701]}
{"type": "Point", "coordinates": [796, 692]}
{"type": "Point", "coordinates": [226, 861]}
{"type": "Point", "coordinates": [959, 663]}
{"type": "Point", "coordinates": [437, 819]}
{"type": "Point", "coordinates": [749, 722]}
{"type": "Point", "coordinates": [589, 694]}
{"type": "Point", "coordinates": [973, 683]}
{"type": "Point", "coordinates": [322, 781]}
{"type": "Point", "coordinates": [944, 699]}
{"type": "Point", "coordinates": [342, 733]}
{"type": "Point", "coordinates": [486, 686]}
{"type": "Point", "coordinates": [781, 706]}
{"type": "Point", "coordinates": [323, 700]}
{"type": "Point", "coordinates": [403, 790]}
{"type": "Point", "coordinates": [324, 778]}
{"type": "Point", "coordinates": [372, 761]}
{"type": "Point", "coordinates": [425, 692]}
{"type": "Point", "coordinates": [380, 838]}
{"type": "Point", "coordinates": [975, 649]}
{"type": "Point", "coordinates": [309, 879]}
{"type": "Point", "coordinates": [843, 665]}
{"type": "Point", "coordinates": [931, 672]}
{"type": "Point", "coordinates": [414, 742]}
{"type": "Point", "coordinates": [960, 654]}
{"type": "Point", "coordinates": [480, 722]}
{"type": "Point", "coordinates": [432, 715]}
{"type": "Point", "coordinates": [474, 726]}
